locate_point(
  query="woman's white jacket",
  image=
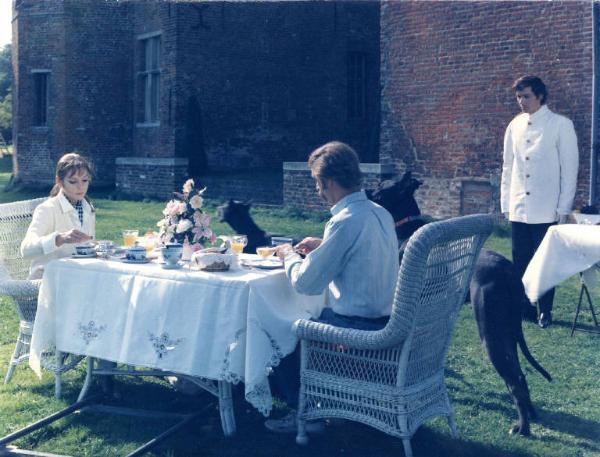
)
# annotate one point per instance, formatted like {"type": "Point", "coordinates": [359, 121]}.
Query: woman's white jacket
{"type": "Point", "coordinates": [56, 215]}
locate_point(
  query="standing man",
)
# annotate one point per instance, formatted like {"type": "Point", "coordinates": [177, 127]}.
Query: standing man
{"type": "Point", "coordinates": [356, 262]}
{"type": "Point", "coordinates": [539, 177]}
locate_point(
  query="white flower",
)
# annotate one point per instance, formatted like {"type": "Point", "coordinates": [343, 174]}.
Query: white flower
{"type": "Point", "coordinates": [196, 202]}
{"type": "Point", "coordinates": [184, 225]}
{"type": "Point", "coordinates": [182, 207]}
{"type": "Point", "coordinates": [161, 223]}
{"type": "Point", "coordinates": [188, 186]}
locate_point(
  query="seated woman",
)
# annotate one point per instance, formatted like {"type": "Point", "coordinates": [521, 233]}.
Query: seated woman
{"type": "Point", "coordinates": [65, 219]}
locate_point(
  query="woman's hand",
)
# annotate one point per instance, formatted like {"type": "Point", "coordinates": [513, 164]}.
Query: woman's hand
{"type": "Point", "coordinates": [308, 244]}
{"type": "Point", "coordinates": [282, 250]}
{"type": "Point", "coordinates": [71, 237]}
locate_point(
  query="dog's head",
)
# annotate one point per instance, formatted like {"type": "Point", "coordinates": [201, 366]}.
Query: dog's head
{"type": "Point", "coordinates": [234, 211]}
{"type": "Point", "coordinates": [397, 196]}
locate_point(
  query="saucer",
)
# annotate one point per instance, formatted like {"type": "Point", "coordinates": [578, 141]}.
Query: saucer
{"type": "Point", "coordinates": [83, 256]}
{"type": "Point", "coordinates": [168, 266]}
{"type": "Point", "coordinates": [146, 260]}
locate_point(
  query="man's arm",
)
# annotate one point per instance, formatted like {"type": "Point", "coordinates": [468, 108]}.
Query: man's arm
{"type": "Point", "coordinates": [313, 274]}
{"type": "Point", "coordinates": [568, 156]}
{"type": "Point", "coordinates": [507, 165]}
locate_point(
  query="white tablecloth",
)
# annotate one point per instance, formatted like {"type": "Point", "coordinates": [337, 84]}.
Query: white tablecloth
{"type": "Point", "coordinates": [565, 250]}
{"type": "Point", "coordinates": [231, 326]}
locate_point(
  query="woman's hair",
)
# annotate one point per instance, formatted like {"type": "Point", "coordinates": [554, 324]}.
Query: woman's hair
{"type": "Point", "coordinates": [337, 161]}
{"type": "Point", "coordinates": [69, 164]}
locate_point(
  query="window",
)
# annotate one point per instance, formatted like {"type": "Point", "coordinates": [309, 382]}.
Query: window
{"type": "Point", "coordinates": [357, 85]}
{"type": "Point", "coordinates": [150, 79]}
{"type": "Point", "coordinates": [40, 97]}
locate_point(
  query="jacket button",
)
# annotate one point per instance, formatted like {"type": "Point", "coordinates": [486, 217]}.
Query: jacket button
{"type": "Point", "coordinates": [529, 123]}
{"type": "Point", "coordinates": [529, 141]}
{"type": "Point", "coordinates": [526, 158]}
{"type": "Point", "coordinates": [527, 193]}
{"type": "Point", "coordinates": [527, 176]}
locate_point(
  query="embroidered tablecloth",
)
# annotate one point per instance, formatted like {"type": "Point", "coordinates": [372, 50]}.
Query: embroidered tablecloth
{"type": "Point", "coordinates": [565, 250]}
{"type": "Point", "coordinates": [232, 326]}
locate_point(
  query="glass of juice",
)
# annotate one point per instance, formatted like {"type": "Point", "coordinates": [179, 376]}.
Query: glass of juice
{"type": "Point", "coordinates": [238, 242]}
{"type": "Point", "coordinates": [264, 251]}
{"type": "Point", "coordinates": [130, 237]}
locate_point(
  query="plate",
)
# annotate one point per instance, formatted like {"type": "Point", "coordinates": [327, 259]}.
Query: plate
{"type": "Point", "coordinates": [146, 260]}
{"type": "Point", "coordinates": [83, 256]}
{"type": "Point", "coordinates": [175, 266]}
{"type": "Point", "coordinates": [265, 264]}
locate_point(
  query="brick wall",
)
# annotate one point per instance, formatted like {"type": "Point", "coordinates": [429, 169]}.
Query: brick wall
{"type": "Point", "coordinates": [260, 83]}
{"type": "Point", "coordinates": [446, 72]}
{"type": "Point", "coordinates": [299, 187]}
{"type": "Point", "coordinates": [89, 96]}
{"type": "Point", "coordinates": [150, 177]}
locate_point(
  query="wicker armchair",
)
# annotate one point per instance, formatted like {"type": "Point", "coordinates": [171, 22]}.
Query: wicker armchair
{"type": "Point", "coordinates": [14, 220]}
{"type": "Point", "coordinates": [393, 379]}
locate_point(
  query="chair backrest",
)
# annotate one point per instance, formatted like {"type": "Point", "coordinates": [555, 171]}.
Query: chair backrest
{"type": "Point", "coordinates": [432, 285]}
{"type": "Point", "coordinates": [14, 220]}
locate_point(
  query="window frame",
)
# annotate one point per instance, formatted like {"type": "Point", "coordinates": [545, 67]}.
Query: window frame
{"type": "Point", "coordinates": [357, 75]}
{"type": "Point", "coordinates": [40, 107]}
{"type": "Point", "coordinates": [148, 77]}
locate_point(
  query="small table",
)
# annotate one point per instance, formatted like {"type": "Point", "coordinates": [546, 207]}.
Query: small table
{"type": "Point", "coordinates": [565, 250]}
{"type": "Point", "coordinates": [228, 327]}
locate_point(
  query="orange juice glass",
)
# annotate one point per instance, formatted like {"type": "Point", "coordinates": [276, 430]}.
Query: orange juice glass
{"type": "Point", "coordinates": [238, 242]}
{"type": "Point", "coordinates": [237, 247]}
{"type": "Point", "coordinates": [264, 251]}
{"type": "Point", "coordinates": [129, 237]}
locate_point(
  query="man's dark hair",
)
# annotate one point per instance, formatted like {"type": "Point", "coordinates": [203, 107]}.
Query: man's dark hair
{"type": "Point", "coordinates": [537, 86]}
{"type": "Point", "coordinates": [337, 161]}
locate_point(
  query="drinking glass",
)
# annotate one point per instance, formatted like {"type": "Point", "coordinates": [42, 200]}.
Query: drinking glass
{"type": "Point", "coordinates": [238, 242]}
{"type": "Point", "coordinates": [264, 251]}
{"type": "Point", "coordinates": [130, 237]}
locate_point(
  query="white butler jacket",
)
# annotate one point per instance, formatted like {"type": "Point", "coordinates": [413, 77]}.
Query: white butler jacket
{"type": "Point", "coordinates": [539, 172]}
{"type": "Point", "coordinates": [54, 216]}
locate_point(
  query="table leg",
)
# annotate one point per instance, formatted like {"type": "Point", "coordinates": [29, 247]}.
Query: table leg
{"type": "Point", "coordinates": [88, 378]}
{"type": "Point", "coordinates": [226, 408]}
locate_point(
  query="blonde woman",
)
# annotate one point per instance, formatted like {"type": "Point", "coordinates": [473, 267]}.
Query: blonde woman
{"type": "Point", "coordinates": [67, 218]}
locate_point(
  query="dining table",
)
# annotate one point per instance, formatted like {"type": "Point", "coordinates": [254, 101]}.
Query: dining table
{"type": "Point", "coordinates": [223, 327]}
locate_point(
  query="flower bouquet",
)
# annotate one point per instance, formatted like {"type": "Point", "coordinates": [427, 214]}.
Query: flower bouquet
{"type": "Point", "coordinates": [184, 221]}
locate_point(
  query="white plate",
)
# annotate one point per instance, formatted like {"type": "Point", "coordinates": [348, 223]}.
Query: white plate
{"type": "Point", "coordinates": [265, 264]}
{"type": "Point", "coordinates": [83, 256]}
{"type": "Point", "coordinates": [146, 260]}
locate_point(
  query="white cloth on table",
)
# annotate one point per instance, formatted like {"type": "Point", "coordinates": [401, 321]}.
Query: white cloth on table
{"type": "Point", "coordinates": [232, 326]}
{"type": "Point", "coordinates": [564, 251]}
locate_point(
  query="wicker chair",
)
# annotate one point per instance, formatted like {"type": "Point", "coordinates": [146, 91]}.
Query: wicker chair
{"type": "Point", "coordinates": [14, 220]}
{"type": "Point", "coordinates": [393, 379]}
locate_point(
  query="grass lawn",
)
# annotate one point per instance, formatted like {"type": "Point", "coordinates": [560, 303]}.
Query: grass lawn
{"type": "Point", "coordinates": [569, 408]}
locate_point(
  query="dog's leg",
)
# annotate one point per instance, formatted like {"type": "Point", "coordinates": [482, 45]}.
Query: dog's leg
{"type": "Point", "coordinates": [520, 395]}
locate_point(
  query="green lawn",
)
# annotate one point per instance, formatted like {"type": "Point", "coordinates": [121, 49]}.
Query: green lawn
{"type": "Point", "coordinates": [569, 407]}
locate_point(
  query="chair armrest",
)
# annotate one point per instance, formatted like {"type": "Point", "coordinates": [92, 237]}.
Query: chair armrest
{"type": "Point", "coordinates": [359, 339]}
{"type": "Point", "coordinates": [20, 287]}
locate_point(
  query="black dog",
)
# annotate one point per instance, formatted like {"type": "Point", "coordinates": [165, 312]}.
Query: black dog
{"type": "Point", "coordinates": [497, 296]}
{"type": "Point", "coordinates": [496, 293]}
{"type": "Point", "coordinates": [237, 215]}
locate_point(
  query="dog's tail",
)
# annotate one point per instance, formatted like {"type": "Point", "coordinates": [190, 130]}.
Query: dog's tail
{"type": "Point", "coordinates": [534, 363]}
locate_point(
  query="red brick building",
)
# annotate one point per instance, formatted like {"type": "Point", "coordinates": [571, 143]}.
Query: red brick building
{"type": "Point", "coordinates": [446, 72]}
{"type": "Point", "coordinates": [155, 91]}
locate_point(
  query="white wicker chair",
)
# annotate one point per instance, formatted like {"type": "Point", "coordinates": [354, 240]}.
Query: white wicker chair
{"type": "Point", "coordinates": [393, 379]}
{"type": "Point", "coordinates": [14, 220]}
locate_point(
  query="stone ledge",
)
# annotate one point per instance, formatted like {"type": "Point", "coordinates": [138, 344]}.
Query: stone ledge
{"type": "Point", "coordinates": [151, 161]}
{"type": "Point", "coordinates": [376, 168]}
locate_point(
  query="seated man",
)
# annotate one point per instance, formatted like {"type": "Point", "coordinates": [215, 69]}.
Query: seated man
{"type": "Point", "coordinates": [356, 261]}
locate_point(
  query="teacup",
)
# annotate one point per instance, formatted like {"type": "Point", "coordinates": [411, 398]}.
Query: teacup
{"type": "Point", "coordinates": [85, 249]}
{"type": "Point", "coordinates": [136, 252]}
{"type": "Point", "coordinates": [171, 253]}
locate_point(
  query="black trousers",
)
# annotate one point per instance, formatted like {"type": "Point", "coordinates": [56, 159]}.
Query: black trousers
{"type": "Point", "coordinates": [525, 240]}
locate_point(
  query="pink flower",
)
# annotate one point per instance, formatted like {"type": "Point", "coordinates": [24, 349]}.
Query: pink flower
{"type": "Point", "coordinates": [172, 208]}
{"type": "Point", "coordinates": [196, 202]}
{"type": "Point", "coordinates": [203, 220]}
{"type": "Point", "coordinates": [188, 186]}
{"type": "Point", "coordinates": [207, 233]}
{"type": "Point", "coordinates": [182, 207]}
